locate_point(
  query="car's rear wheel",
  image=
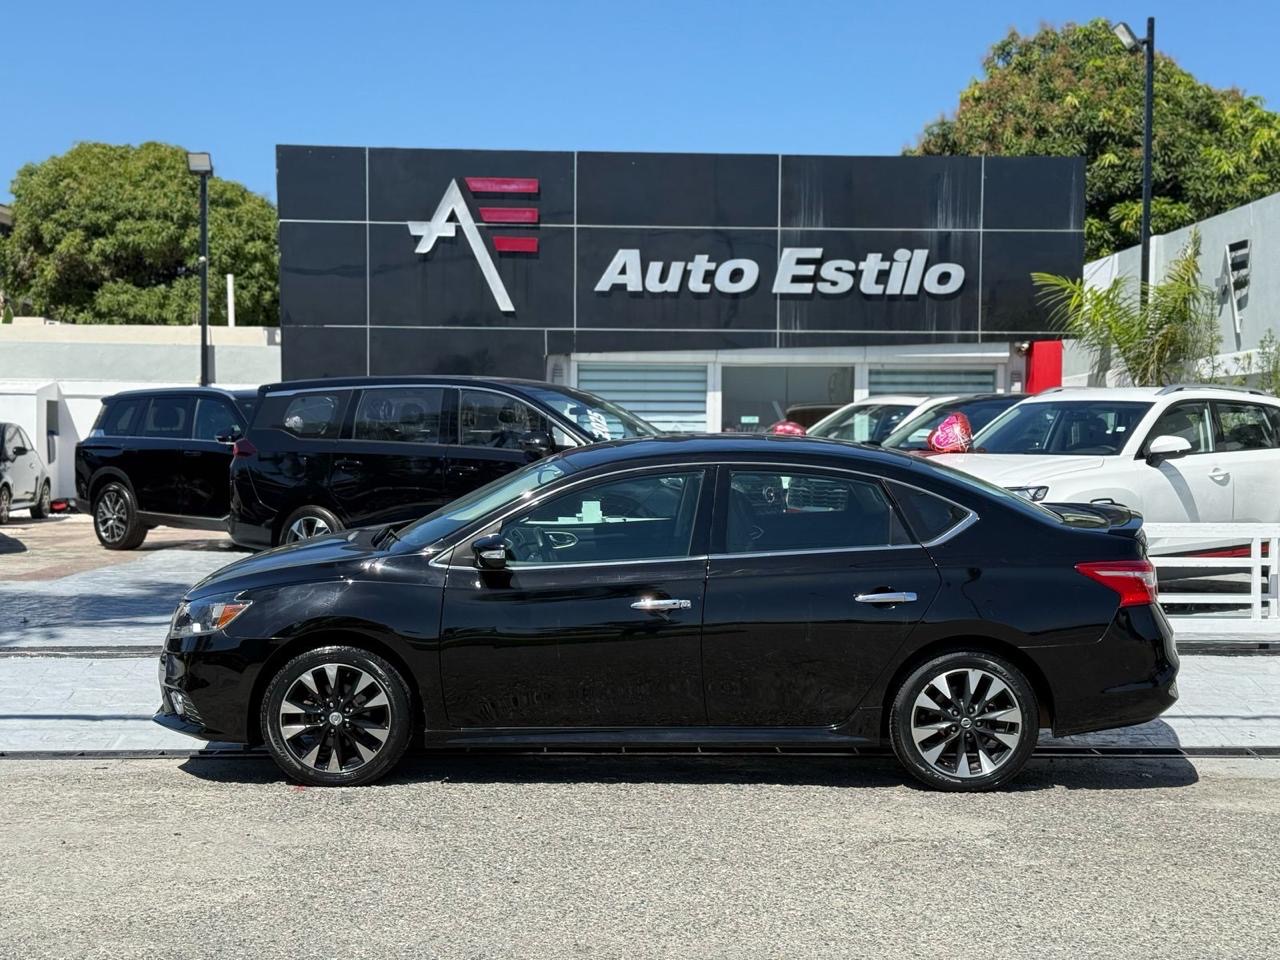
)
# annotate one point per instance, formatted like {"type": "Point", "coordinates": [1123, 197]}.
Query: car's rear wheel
{"type": "Point", "coordinates": [964, 721]}
{"type": "Point", "coordinates": [5, 500]}
{"type": "Point", "coordinates": [44, 503]}
{"type": "Point", "coordinates": [115, 518]}
{"type": "Point", "coordinates": [336, 717]}
{"type": "Point", "coordinates": [307, 522]}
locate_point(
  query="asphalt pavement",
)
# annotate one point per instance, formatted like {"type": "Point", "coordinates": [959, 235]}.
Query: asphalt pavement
{"type": "Point", "coordinates": [638, 857]}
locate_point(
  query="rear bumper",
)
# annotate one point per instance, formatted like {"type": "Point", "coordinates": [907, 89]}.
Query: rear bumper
{"type": "Point", "coordinates": [1130, 676]}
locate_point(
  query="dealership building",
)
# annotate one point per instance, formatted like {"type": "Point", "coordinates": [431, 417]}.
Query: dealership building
{"type": "Point", "coordinates": [704, 291]}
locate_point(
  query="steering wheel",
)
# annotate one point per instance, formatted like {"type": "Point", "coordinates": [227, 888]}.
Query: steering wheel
{"type": "Point", "coordinates": [528, 543]}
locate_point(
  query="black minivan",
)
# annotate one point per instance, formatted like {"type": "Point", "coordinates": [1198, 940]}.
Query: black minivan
{"type": "Point", "coordinates": [323, 455]}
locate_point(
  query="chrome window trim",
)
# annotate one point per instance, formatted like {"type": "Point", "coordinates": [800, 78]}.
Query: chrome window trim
{"type": "Point", "coordinates": [814, 552]}
{"type": "Point", "coordinates": [971, 516]}
{"type": "Point", "coordinates": [538, 501]}
{"type": "Point", "coordinates": [601, 563]}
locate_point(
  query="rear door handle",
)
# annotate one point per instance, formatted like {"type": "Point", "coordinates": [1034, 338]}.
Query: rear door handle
{"type": "Point", "coordinates": [652, 605]}
{"type": "Point", "coordinates": [901, 596]}
{"type": "Point", "coordinates": [191, 453]}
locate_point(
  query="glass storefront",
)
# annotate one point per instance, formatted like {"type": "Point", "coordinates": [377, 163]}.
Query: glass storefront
{"type": "Point", "coordinates": [753, 398]}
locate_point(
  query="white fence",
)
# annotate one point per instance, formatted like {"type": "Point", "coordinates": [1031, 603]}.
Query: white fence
{"type": "Point", "coordinates": [1240, 594]}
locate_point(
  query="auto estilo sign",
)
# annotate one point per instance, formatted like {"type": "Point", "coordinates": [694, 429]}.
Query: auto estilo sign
{"type": "Point", "coordinates": [486, 255]}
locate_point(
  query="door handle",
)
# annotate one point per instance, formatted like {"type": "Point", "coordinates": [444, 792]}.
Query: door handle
{"type": "Point", "coordinates": [652, 605]}
{"type": "Point", "coordinates": [348, 464]}
{"type": "Point", "coordinates": [1217, 473]}
{"type": "Point", "coordinates": [191, 453]}
{"type": "Point", "coordinates": [901, 596]}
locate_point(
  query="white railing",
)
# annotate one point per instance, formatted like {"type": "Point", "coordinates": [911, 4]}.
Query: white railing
{"type": "Point", "coordinates": [1253, 611]}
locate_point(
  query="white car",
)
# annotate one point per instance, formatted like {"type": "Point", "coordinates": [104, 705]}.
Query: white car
{"type": "Point", "coordinates": [869, 420]}
{"type": "Point", "coordinates": [1176, 454]}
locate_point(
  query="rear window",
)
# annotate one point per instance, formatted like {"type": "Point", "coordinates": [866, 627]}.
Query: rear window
{"type": "Point", "coordinates": [311, 416]}
{"type": "Point", "coordinates": [119, 418]}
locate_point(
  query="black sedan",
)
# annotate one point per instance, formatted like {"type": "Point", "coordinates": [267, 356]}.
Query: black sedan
{"type": "Point", "coordinates": [680, 591]}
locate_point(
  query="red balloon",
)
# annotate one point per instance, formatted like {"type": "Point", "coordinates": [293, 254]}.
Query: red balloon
{"type": "Point", "coordinates": [953, 435]}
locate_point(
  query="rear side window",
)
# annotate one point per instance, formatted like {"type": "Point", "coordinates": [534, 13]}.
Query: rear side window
{"type": "Point", "coordinates": [400, 415]}
{"type": "Point", "coordinates": [168, 418]}
{"type": "Point", "coordinates": [311, 416]}
{"type": "Point", "coordinates": [794, 511]}
{"type": "Point", "coordinates": [929, 517]}
{"type": "Point", "coordinates": [120, 418]}
{"type": "Point", "coordinates": [1244, 426]}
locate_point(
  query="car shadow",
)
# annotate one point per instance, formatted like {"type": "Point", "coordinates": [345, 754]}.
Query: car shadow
{"type": "Point", "coordinates": [1047, 773]}
{"type": "Point", "coordinates": [10, 544]}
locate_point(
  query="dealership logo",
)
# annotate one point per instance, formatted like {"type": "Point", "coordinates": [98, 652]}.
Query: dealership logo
{"type": "Point", "coordinates": [801, 270]}
{"type": "Point", "coordinates": [453, 212]}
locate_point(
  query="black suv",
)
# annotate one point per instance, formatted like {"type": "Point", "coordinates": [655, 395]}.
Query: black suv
{"type": "Point", "coordinates": [160, 458]}
{"type": "Point", "coordinates": [322, 455]}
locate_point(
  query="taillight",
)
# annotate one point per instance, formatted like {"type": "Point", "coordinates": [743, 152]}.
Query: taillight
{"type": "Point", "coordinates": [243, 448]}
{"type": "Point", "coordinates": [1134, 580]}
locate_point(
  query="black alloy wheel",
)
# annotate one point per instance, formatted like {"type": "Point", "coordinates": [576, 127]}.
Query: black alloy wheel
{"type": "Point", "coordinates": [115, 518]}
{"type": "Point", "coordinates": [336, 717]}
{"type": "Point", "coordinates": [308, 522]}
{"type": "Point", "coordinates": [44, 504]}
{"type": "Point", "coordinates": [964, 721]}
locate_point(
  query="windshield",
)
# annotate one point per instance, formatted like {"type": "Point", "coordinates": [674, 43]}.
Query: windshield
{"type": "Point", "coordinates": [866, 421]}
{"type": "Point", "coordinates": [598, 418]}
{"type": "Point", "coordinates": [914, 433]}
{"type": "Point", "coordinates": [522, 484]}
{"type": "Point", "coordinates": [1063, 428]}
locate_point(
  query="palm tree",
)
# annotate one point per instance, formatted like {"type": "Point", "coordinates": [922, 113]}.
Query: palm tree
{"type": "Point", "coordinates": [1170, 340]}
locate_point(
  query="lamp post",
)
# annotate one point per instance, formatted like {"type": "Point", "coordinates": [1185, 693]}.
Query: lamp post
{"type": "Point", "coordinates": [1147, 44]}
{"type": "Point", "coordinates": [201, 164]}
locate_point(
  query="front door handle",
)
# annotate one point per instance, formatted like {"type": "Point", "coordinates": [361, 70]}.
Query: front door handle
{"type": "Point", "coordinates": [900, 596]}
{"type": "Point", "coordinates": [652, 605]}
{"type": "Point", "coordinates": [1217, 473]}
{"type": "Point", "coordinates": [191, 453]}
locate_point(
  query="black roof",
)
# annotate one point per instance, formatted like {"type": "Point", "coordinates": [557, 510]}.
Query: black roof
{"type": "Point", "coordinates": [356, 382]}
{"type": "Point", "coordinates": [717, 446]}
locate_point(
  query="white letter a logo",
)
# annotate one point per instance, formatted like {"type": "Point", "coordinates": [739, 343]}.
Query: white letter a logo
{"type": "Point", "coordinates": [441, 226]}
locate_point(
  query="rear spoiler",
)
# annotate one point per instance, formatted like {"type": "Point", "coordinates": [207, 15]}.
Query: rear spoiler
{"type": "Point", "coordinates": [1111, 517]}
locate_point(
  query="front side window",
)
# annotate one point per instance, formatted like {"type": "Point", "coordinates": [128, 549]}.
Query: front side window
{"type": "Point", "coordinates": [215, 419]}
{"type": "Point", "coordinates": [1187, 420]}
{"type": "Point", "coordinates": [635, 518]}
{"type": "Point", "coordinates": [784, 511]}
{"type": "Point", "coordinates": [400, 415]}
{"type": "Point", "coordinates": [1245, 426]}
{"type": "Point", "coordinates": [488, 419]}
{"type": "Point", "coordinates": [9, 441]}
{"type": "Point", "coordinates": [1063, 428]}
{"type": "Point", "coordinates": [311, 416]}
{"type": "Point", "coordinates": [599, 419]}
{"type": "Point", "coordinates": [168, 418]}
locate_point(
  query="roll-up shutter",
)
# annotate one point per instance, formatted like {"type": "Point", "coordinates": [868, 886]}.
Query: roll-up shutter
{"type": "Point", "coordinates": [930, 381]}
{"type": "Point", "coordinates": [670, 396]}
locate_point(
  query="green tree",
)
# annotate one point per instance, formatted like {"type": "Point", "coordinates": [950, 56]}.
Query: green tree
{"type": "Point", "coordinates": [110, 234]}
{"type": "Point", "coordinates": [1164, 343]}
{"type": "Point", "coordinates": [1076, 91]}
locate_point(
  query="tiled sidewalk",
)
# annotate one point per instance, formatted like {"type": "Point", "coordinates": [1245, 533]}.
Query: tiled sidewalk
{"type": "Point", "coordinates": [63, 703]}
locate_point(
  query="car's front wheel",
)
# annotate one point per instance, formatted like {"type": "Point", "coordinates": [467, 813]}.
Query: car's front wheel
{"type": "Point", "coordinates": [964, 721]}
{"type": "Point", "coordinates": [44, 503]}
{"type": "Point", "coordinates": [336, 717]}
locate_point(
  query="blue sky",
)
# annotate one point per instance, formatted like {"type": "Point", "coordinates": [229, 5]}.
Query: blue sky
{"type": "Point", "coordinates": [738, 76]}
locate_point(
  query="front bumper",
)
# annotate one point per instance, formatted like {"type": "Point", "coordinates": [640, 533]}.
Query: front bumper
{"type": "Point", "coordinates": [206, 685]}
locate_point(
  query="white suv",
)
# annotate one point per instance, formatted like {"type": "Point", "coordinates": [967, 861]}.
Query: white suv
{"type": "Point", "coordinates": [1177, 454]}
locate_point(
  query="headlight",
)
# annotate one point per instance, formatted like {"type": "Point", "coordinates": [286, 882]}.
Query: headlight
{"type": "Point", "coordinates": [195, 617]}
{"type": "Point", "coordinates": [1034, 494]}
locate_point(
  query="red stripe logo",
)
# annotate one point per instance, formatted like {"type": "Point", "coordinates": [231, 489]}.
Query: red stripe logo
{"type": "Point", "coordinates": [502, 184]}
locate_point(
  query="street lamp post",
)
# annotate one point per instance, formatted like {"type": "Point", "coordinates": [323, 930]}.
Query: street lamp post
{"type": "Point", "coordinates": [201, 164]}
{"type": "Point", "coordinates": [1147, 44]}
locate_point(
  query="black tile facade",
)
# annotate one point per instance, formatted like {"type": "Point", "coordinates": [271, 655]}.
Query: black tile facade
{"type": "Point", "coordinates": [356, 296]}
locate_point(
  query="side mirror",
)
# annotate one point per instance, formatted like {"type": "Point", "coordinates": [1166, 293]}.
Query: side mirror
{"type": "Point", "coordinates": [1167, 447]}
{"type": "Point", "coordinates": [231, 436]}
{"type": "Point", "coordinates": [537, 444]}
{"type": "Point", "coordinates": [20, 451]}
{"type": "Point", "coordinates": [490, 552]}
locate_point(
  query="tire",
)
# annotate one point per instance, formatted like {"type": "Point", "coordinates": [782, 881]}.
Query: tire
{"type": "Point", "coordinates": [1003, 721]}
{"type": "Point", "coordinates": [307, 522]}
{"type": "Point", "coordinates": [6, 499]}
{"type": "Point", "coordinates": [42, 507]}
{"type": "Point", "coordinates": [115, 518]}
{"type": "Point", "coordinates": [367, 740]}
